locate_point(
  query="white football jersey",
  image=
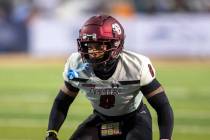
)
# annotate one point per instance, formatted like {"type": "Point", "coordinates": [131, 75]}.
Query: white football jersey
{"type": "Point", "coordinates": [118, 95]}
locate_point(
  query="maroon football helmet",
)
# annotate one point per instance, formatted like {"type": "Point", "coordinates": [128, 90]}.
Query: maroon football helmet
{"type": "Point", "coordinates": [98, 31]}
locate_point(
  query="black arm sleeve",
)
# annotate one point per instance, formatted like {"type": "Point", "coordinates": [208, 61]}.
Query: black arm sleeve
{"type": "Point", "coordinates": [59, 110]}
{"type": "Point", "coordinates": [161, 105]}
{"type": "Point", "coordinates": [165, 114]}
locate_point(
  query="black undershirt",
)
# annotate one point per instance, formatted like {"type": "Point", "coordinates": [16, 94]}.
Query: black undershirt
{"type": "Point", "coordinates": [105, 71]}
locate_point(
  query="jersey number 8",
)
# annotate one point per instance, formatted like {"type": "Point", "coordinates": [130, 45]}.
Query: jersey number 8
{"type": "Point", "coordinates": [107, 101]}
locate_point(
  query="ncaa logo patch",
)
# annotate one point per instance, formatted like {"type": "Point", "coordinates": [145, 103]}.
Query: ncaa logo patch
{"type": "Point", "coordinates": [116, 28]}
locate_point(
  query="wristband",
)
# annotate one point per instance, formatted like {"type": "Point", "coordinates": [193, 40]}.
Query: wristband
{"type": "Point", "coordinates": [50, 133]}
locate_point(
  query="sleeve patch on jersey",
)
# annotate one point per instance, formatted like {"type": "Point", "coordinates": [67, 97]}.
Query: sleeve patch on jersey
{"type": "Point", "coordinates": [151, 70]}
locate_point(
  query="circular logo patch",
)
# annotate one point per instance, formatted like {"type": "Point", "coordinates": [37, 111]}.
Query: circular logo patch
{"type": "Point", "coordinates": [116, 28]}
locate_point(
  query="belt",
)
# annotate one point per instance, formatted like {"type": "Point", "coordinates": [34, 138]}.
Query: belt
{"type": "Point", "coordinates": [121, 117]}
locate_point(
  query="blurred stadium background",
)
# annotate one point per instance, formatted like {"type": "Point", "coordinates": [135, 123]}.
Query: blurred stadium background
{"type": "Point", "coordinates": [36, 37]}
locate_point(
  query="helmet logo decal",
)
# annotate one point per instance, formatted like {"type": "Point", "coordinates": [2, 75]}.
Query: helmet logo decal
{"type": "Point", "coordinates": [116, 28]}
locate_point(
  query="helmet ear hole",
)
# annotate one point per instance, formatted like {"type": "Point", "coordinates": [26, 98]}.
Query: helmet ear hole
{"type": "Point", "coordinates": [117, 43]}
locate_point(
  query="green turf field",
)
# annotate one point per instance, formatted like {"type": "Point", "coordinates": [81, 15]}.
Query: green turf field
{"type": "Point", "coordinates": [27, 91]}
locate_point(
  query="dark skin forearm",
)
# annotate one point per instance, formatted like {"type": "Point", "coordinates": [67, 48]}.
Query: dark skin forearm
{"type": "Point", "coordinates": [60, 108]}
{"type": "Point", "coordinates": [165, 114]}
{"type": "Point", "coordinates": [58, 112]}
{"type": "Point", "coordinates": [157, 98]}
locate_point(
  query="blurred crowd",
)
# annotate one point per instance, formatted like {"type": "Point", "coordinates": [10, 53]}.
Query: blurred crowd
{"type": "Point", "coordinates": [153, 6]}
{"type": "Point", "coordinates": [16, 15]}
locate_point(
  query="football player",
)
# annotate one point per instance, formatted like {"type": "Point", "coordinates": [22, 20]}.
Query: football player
{"type": "Point", "coordinates": [114, 81]}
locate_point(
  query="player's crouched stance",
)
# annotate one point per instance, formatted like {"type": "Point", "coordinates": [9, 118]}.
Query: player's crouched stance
{"type": "Point", "coordinates": [114, 80]}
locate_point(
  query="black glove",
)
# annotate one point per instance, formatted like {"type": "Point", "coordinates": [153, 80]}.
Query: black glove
{"type": "Point", "coordinates": [51, 138]}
